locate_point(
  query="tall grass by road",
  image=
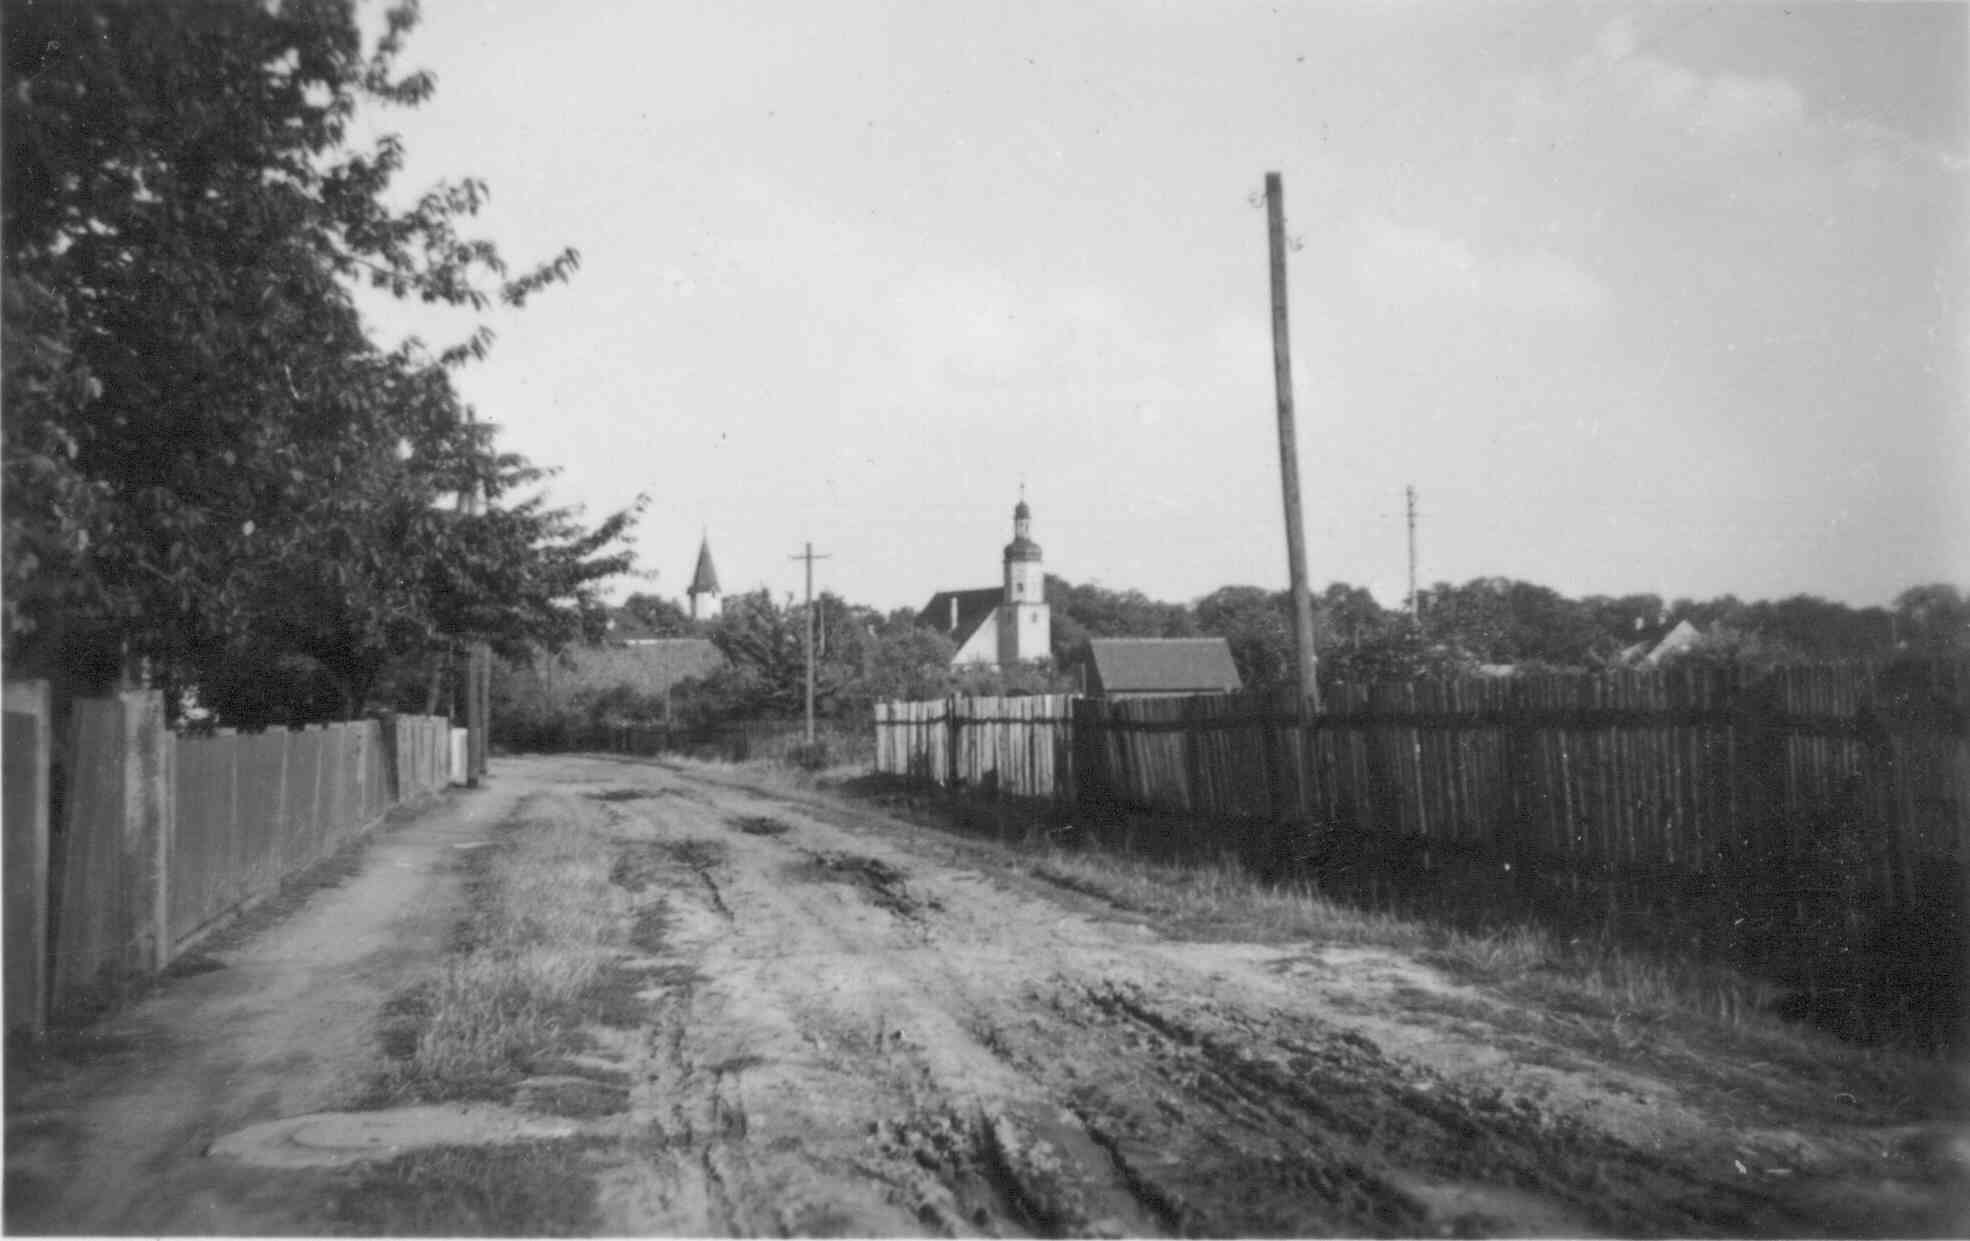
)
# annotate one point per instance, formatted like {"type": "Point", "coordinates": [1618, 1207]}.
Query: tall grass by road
{"type": "Point", "coordinates": [534, 957]}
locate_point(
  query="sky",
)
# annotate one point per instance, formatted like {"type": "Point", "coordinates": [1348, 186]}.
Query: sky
{"type": "Point", "coordinates": [1639, 298]}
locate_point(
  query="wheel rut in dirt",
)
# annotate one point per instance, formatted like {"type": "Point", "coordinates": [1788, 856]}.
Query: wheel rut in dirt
{"type": "Point", "coordinates": [882, 883]}
{"type": "Point", "coordinates": [826, 1025]}
{"type": "Point", "coordinates": [1304, 1127]}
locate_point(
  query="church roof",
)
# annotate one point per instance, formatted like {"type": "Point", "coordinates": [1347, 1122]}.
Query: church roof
{"type": "Point", "coordinates": [704, 580]}
{"type": "Point", "coordinates": [973, 606]}
{"type": "Point", "coordinates": [1022, 548]}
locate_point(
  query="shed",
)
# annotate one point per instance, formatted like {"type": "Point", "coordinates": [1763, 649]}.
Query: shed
{"type": "Point", "coordinates": [1138, 667]}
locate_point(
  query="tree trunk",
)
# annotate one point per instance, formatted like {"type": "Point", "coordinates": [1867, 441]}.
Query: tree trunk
{"type": "Point", "coordinates": [440, 664]}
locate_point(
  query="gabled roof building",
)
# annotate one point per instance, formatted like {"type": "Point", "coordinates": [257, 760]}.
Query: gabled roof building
{"type": "Point", "coordinates": [1141, 667]}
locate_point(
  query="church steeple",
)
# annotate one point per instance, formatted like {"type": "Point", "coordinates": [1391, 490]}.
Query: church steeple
{"type": "Point", "coordinates": [1022, 546]}
{"type": "Point", "coordinates": [703, 591]}
{"type": "Point", "coordinates": [1025, 625]}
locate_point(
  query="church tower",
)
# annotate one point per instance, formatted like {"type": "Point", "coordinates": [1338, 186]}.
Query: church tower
{"type": "Point", "coordinates": [703, 590]}
{"type": "Point", "coordinates": [1025, 621]}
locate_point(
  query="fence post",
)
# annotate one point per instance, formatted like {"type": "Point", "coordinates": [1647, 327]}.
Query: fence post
{"type": "Point", "coordinates": [951, 732]}
{"type": "Point", "coordinates": [1521, 766]}
{"type": "Point", "coordinates": [28, 749]}
{"type": "Point", "coordinates": [1760, 747]}
{"type": "Point", "coordinates": [150, 759]}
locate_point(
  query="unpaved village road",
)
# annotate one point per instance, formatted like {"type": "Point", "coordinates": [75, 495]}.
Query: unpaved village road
{"type": "Point", "coordinates": [858, 1026]}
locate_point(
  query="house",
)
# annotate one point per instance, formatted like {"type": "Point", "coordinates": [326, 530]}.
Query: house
{"type": "Point", "coordinates": [1141, 667]}
{"type": "Point", "coordinates": [999, 625]}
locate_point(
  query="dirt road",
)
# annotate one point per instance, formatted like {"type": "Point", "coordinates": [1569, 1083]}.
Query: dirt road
{"type": "Point", "coordinates": [855, 1026]}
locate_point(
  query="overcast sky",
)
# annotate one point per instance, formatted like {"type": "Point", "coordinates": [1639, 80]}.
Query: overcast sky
{"type": "Point", "coordinates": [1639, 298]}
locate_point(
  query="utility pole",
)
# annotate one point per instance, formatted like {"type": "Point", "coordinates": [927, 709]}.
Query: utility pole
{"type": "Point", "coordinates": [478, 670]}
{"type": "Point", "coordinates": [810, 558]}
{"type": "Point", "coordinates": [1289, 458]}
{"type": "Point", "coordinates": [1415, 608]}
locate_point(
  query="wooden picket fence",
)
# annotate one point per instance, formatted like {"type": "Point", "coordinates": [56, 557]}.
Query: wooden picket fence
{"type": "Point", "coordinates": [162, 835]}
{"type": "Point", "coordinates": [1015, 747]}
{"type": "Point", "coordinates": [1687, 769]}
{"type": "Point", "coordinates": [1811, 812]}
{"type": "Point", "coordinates": [253, 807]}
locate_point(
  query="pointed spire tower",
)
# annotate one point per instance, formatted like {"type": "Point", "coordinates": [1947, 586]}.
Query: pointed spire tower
{"type": "Point", "coordinates": [1025, 620]}
{"type": "Point", "coordinates": [703, 591]}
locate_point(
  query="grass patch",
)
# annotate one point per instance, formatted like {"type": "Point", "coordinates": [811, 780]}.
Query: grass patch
{"type": "Point", "coordinates": [535, 958]}
{"type": "Point", "coordinates": [697, 853]}
{"type": "Point", "coordinates": [535, 1189]}
{"type": "Point", "coordinates": [1220, 900]}
{"type": "Point", "coordinates": [761, 825]}
{"type": "Point", "coordinates": [608, 795]}
{"type": "Point", "coordinates": [650, 931]}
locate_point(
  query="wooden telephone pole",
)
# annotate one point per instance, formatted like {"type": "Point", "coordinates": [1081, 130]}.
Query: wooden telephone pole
{"type": "Point", "coordinates": [810, 558]}
{"type": "Point", "coordinates": [1289, 457]}
{"type": "Point", "coordinates": [478, 672]}
{"type": "Point", "coordinates": [1415, 610]}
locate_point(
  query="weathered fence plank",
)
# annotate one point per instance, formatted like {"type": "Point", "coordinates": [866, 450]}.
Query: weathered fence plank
{"type": "Point", "coordinates": [28, 745]}
{"type": "Point", "coordinates": [163, 834]}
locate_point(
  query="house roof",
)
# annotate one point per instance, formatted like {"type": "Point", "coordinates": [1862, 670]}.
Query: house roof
{"type": "Point", "coordinates": [973, 607]}
{"type": "Point", "coordinates": [704, 580]}
{"type": "Point", "coordinates": [1682, 637]}
{"type": "Point", "coordinates": [1162, 665]}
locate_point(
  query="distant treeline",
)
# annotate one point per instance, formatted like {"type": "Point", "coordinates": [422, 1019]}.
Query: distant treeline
{"type": "Point", "coordinates": [867, 656]}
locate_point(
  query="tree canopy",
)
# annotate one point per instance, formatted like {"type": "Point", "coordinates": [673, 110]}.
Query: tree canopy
{"type": "Point", "coordinates": [209, 465]}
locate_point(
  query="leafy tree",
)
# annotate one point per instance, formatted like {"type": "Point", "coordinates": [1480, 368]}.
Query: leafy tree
{"type": "Point", "coordinates": [665, 618]}
{"type": "Point", "coordinates": [1820, 628]}
{"type": "Point", "coordinates": [1345, 616]}
{"type": "Point", "coordinates": [1254, 622]}
{"type": "Point", "coordinates": [1933, 617]}
{"type": "Point", "coordinates": [209, 466]}
{"type": "Point", "coordinates": [907, 663]}
{"type": "Point", "coordinates": [1727, 645]}
{"type": "Point", "coordinates": [1093, 611]}
{"type": "Point", "coordinates": [765, 644]}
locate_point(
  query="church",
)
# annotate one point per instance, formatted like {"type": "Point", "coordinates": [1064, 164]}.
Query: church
{"type": "Point", "coordinates": [1000, 625]}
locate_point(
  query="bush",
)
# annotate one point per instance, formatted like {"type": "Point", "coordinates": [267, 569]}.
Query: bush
{"type": "Point", "coordinates": [812, 756]}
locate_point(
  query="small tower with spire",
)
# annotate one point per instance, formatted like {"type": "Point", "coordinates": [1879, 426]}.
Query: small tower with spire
{"type": "Point", "coordinates": [1025, 620]}
{"type": "Point", "coordinates": [703, 591]}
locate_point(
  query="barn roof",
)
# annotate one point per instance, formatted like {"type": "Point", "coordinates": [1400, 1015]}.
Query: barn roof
{"type": "Point", "coordinates": [1162, 665]}
{"type": "Point", "coordinates": [973, 607]}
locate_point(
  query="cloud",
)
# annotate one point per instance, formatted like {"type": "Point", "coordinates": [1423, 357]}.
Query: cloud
{"type": "Point", "coordinates": [1405, 265]}
{"type": "Point", "coordinates": [1622, 118]}
{"type": "Point", "coordinates": [1619, 80]}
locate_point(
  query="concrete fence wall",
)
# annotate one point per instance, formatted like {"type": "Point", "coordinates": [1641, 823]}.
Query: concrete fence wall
{"type": "Point", "coordinates": [162, 836]}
